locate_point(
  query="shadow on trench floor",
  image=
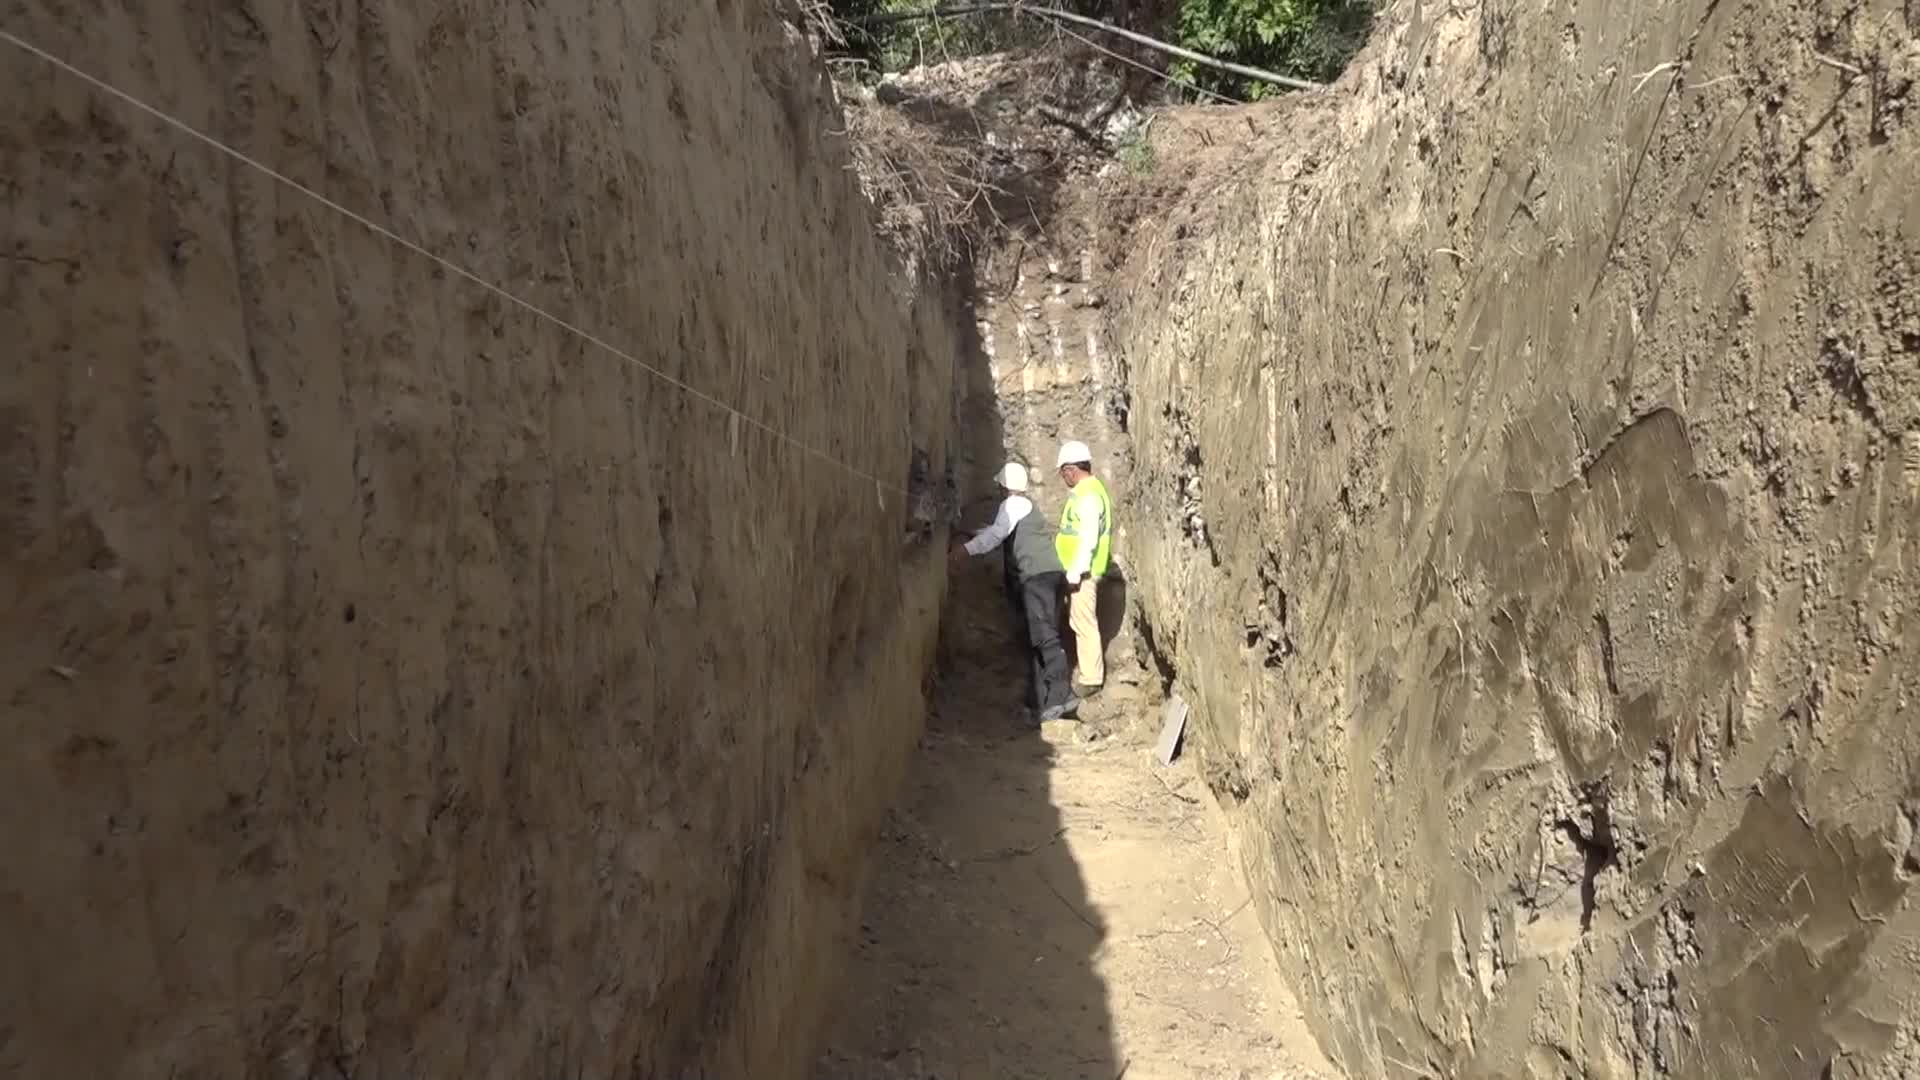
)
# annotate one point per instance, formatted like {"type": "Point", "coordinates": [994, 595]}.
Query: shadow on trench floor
{"type": "Point", "coordinates": [1043, 905]}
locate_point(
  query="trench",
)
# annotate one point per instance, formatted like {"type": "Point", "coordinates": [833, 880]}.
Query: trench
{"type": "Point", "coordinates": [1052, 903]}
{"type": "Point", "coordinates": [470, 578]}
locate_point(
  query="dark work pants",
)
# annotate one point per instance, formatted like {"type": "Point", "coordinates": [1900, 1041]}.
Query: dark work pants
{"type": "Point", "coordinates": [1017, 604]}
{"type": "Point", "coordinates": [1040, 596]}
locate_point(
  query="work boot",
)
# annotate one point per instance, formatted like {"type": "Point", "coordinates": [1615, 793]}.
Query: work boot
{"type": "Point", "coordinates": [1062, 711]}
{"type": "Point", "coordinates": [1086, 690]}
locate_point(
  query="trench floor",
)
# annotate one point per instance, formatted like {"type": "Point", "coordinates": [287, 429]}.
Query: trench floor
{"type": "Point", "coordinates": [1046, 904]}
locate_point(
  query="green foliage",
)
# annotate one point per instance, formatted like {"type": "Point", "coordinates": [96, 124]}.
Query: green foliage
{"type": "Point", "coordinates": [1136, 152]}
{"type": "Point", "coordinates": [902, 45]}
{"type": "Point", "coordinates": [1308, 39]}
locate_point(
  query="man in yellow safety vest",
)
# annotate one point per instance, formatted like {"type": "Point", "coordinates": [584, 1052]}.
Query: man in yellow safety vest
{"type": "Point", "coordinates": [1085, 544]}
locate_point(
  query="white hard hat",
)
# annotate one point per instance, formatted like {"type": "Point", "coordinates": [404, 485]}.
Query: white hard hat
{"type": "Point", "coordinates": [1012, 476]}
{"type": "Point", "coordinates": [1073, 453]}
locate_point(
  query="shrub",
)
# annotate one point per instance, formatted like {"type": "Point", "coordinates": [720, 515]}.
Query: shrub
{"type": "Point", "coordinates": [1308, 39]}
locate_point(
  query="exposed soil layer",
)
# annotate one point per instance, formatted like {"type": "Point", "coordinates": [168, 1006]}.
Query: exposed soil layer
{"type": "Point", "coordinates": [1526, 440]}
{"type": "Point", "coordinates": [393, 682]}
{"type": "Point", "coordinates": [1516, 450]}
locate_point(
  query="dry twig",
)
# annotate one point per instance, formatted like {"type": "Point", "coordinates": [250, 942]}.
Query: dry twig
{"type": "Point", "coordinates": [928, 195]}
{"type": "Point", "coordinates": [818, 15]}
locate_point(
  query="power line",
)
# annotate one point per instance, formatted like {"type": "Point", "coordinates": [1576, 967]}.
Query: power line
{"type": "Point", "coordinates": [1150, 69]}
{"type": "Point", "coordinates": [1020, 7]}
{"type": "Point", "coordinates": [386, 233]}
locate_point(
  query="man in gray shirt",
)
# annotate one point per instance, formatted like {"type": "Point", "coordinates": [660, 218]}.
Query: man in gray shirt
{"type": "Point", "coordinates": [1034, 579]}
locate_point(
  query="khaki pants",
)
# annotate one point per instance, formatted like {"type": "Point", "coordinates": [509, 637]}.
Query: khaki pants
{"type": "Point", "coordinates": [1083, 616]}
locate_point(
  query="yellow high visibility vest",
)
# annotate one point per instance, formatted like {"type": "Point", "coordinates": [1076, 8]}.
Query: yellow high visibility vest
{"type": "Point", "coordinates": [1070, 527]}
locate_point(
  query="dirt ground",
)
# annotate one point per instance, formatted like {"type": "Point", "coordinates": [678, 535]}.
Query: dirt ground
{"type": "Point", "coordinates": [1053, 904]}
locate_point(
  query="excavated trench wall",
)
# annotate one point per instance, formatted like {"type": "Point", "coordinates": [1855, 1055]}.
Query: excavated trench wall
{"type": "Point", "coordinates": [1040, 374]}
{"type": "Point", "coordinates": [1527, 491]}
{"type": "Point", "coordinates": [398, 683]}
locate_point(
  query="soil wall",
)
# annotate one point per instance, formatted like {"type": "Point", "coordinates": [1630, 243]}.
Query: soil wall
{"type": "Point", "coordinates": [394, 681]}
{"type": "Point", "coordinates": [1037, 368]}
{"type": "Point", "coordinates": [1037, 378]}
{"type": "Point", "coordinates": [1527, 491]}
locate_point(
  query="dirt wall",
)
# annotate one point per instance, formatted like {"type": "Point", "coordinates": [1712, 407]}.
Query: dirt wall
{"type": "Point", "coordinates": [1527, 441]}
{"type": "Point", "coordinates": [395, 682]}
{"type": "Point", "coordinates": [1036, 366]}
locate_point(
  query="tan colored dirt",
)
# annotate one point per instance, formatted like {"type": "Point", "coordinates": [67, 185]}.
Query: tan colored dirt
{"type": "Point", "coordinates": [392, 682]}
{"type": "Point", "coordinates": [1046, 906]}
{"type": "Point", "coordinates": [1518, 454]}
{"type": "Point", "coordinates": [1527, 491]}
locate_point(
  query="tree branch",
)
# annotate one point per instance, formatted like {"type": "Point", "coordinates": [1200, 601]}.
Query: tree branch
{"type": "Point", "coordinates": [1018, 8]}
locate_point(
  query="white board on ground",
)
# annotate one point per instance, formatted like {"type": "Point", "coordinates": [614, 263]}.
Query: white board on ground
{"type": "Point", "coordinates": [1173, 725]}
